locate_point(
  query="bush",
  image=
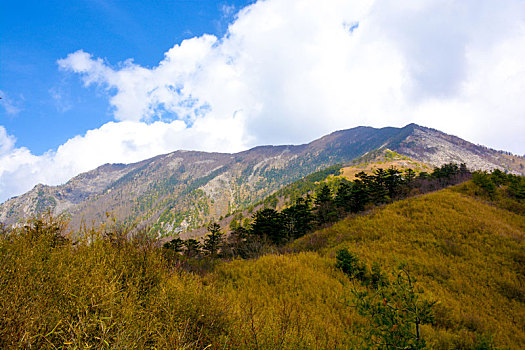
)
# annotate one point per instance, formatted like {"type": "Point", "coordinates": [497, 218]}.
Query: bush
{"type": "Point", "coordinates": [395, 313]}
{"type": "Point", "coordinates": [106, 291]}
{"type": "Point", "coordinates": [350, 265]}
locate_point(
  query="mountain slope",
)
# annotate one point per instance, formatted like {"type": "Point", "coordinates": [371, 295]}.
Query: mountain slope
{"type": "Point", "coordinates": [466, 254]}
{"type": "Point", "coordinates": [185, 189]}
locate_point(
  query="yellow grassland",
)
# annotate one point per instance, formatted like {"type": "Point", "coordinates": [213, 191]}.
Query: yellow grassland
{"type": "Point", "coordinates": [385, 159]}
{"type": "Point", "coordinates": [466, 254]}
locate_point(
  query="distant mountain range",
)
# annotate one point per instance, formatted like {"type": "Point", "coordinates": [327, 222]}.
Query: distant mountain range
{"type": "Point", "coordinates": [183, 190]}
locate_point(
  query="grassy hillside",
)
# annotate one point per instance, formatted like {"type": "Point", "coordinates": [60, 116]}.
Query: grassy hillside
{"type": "Point", "coordinates": [108, 291]}
{"type": "Point", "coordinates": [385, 159]}
{"type": "Point", "coordinates": [467, 254]}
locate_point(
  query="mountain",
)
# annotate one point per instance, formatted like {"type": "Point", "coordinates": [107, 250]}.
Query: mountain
{"type": "Point", "coordinates": [182, 190]}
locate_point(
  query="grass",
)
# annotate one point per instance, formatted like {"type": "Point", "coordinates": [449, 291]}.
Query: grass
{"type": "Point", "coordinates": [466, 254]}
{"type": "Point", "coordinates": [110, 291]}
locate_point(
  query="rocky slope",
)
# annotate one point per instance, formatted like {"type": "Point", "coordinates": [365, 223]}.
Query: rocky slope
{"type": "Point", "coordinates": [185, 189]}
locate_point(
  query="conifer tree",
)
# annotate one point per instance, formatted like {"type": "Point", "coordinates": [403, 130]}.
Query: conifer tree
{"type": "Point", "coordinates": [395, 313]}
{"type": "Point", "coordinates": [192, 247]}
{"type": "Point", "coordinates": [268, 223]}
{"type": "Point", "coordinates": [213, 240]}
{"type": "Point", "coordinates": [298, 218]}
{"type": "Point", "coordinates": [176, 245]}
{"type": "Point", "coordinates": [325, 206]}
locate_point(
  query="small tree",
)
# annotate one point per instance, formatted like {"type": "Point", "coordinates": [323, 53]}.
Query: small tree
{"type": "Point", "coordinates": [483, 180]}
{"type": "Point", "coordinates": [359, 195]}
{"type": "Point", "coordinates": [410, 176]}
{"type": "Point", "coordinates": [325, 206]}
{"type": "Point", "coordinates": [236, 241]}
{"type": "Point", "coordinates": [343, 197]}
{"type": "Point", "coordinates": [393, 181]}
{"type": "Point", "coordinates": [395, 312]}
{"type": "Point", "coordinates": [350, 265]}
{"type": "Point", "coordinates": [213, 240]}
{"type": "Point", "coordinates": [175, 245]}
{"type": "Point", "coordinates": [517, 187]}
{"type": "Point", "coordinates": [377, 278]}
{"type": "Point", "coordinates": [192, 247]}
{"type": "Point", "coordinates": [298, 218]}
{"type": "Point", "coordinates": [268, 223]}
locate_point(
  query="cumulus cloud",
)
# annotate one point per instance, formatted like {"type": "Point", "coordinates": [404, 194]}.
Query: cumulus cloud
{"type": "Point", "coordinates": [298, 69]}
{"type": "Point", "coordinates": [114, 142]}
{"type": "Point", "coordinates": [288, 71]}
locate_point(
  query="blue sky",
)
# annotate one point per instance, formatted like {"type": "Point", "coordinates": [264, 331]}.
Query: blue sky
{"type": "Point", "coordinates": [85, 83]}
{"type": "Point", "coordinates": [53, 106]}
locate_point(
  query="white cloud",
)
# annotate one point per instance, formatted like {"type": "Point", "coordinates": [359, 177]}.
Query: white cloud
{"type": "Point", "coordinates": [289, 71]}
{"type": "Point", "coordinates": [114, 142]}
{"type": "Point", "coordinates": [60, 99]}
{"type": "Point", "coordinates": [7, 142]}
{"type": "Point", "coordinates": [296, 71]}
{"type": "Point", "coordinates": [11, 105]}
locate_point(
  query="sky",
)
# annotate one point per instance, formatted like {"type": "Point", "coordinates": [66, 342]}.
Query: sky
{"type": "Point", "coordinates": [89, 82]}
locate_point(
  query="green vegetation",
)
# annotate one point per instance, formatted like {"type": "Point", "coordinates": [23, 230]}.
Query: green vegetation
{"type": "Point", "coordinates": [300, 188]}
{"type": "Point", "coordinates": [105, 291]}
{"type": "Point", "coordinates": [467, 255]}
{"type": "Point", "coordinates": [271, 226]}
{"type": "Point", "coordinates": [504, 190]}
{"type": "Point", "coordinates": [443, 270]}
{"type": "Point", "coordinates": [395, 310]}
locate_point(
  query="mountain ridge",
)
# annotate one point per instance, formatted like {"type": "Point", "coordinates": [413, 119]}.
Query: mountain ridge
{"type": "Point", "coordinates": [181, 190]}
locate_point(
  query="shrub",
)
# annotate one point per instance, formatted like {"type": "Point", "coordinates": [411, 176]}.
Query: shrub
{"type": "Point", "coordinates": [350, 264]}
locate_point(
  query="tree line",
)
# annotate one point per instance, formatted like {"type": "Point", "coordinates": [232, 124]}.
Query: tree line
{"type": "Point", "coordinates": [271, 227]}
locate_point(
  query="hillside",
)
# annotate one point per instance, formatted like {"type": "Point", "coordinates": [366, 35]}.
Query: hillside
{"type": "Point", "coordinates": [466, 253]}
{"type": "Point", "coordinates": [183, 190]}
{"type": "Point", "coordinates": [383, 158]}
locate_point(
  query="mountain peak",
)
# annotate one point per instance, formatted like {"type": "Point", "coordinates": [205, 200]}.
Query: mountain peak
{"type": "Point", "coordinates": [185, 189]}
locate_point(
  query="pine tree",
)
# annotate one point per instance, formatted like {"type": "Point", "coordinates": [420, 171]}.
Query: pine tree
{"type": "Point", "coordinates": [213, 240]}
{"type": "Point", "coordinates": [325, 206]}
{"type": "Point", "coordinates": [176, 245]}
{"type": "Point", "coordinates": [298, 218]}
{"type": "Point", "coordinates": [268, 223]}
{"type": "Point", "coordinates": [395, 313]}
{"type": "Point", "coordinates": [192, 247]}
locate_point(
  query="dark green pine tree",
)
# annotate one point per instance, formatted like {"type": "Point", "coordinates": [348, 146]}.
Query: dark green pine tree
{"type": "Point", "coordinates": [213, 240]}
{"type": "Point", "coordinates": [517, 187]}
{"type": "Point", "coordinates": [192, 247]}
{"type": "Point", "coordinates": [410, 176]}
{"type": "Point", "coordinates": [395, 312]}
{"type": "Point", "coordinates": [325, 206]}
{"type": "Point", "coordinates": [268, 224]}
{"type": "Point", "coordinates": [393, 183]}
{"type": "Point", "coordinates": [484, 181]}
{"type": "Point", "coordinates": [176, 245]}
{"type": "Point", "coordinates": [298, 218]}
{"type": "Point", "coordinates": [343, 197]}
{"type": "Point", "coordinates": [377, 187]}
{"type": "Point", "coordinates": [360, 196]}
{"type": "Point", "coordinates": [236, 241]}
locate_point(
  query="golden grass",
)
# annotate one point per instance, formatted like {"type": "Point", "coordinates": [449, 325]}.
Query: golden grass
{"type": "Point", "coordinates": [466, 254]}
{"type": "Point", "coordinates": [350, 172]}
{"type": "Point", "coordinates": [296, 301]}
{"type": "Point", "coordinates": [383, 160]}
